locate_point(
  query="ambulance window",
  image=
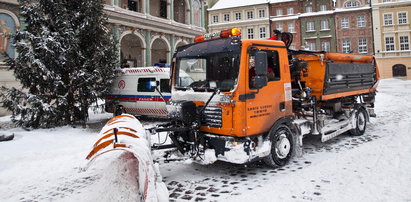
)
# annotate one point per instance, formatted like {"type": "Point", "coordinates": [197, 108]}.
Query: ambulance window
{"type": "Point", "coordinates": [144, 85]}
{"type": "Point", "coordinates": [165, 85]}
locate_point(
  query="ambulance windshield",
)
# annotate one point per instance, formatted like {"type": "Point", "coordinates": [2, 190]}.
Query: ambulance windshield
{"type": "Point", "coordinates": [210, 65]}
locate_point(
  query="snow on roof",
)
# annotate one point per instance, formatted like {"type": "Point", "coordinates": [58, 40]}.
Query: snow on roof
{"type": "Point", "coordinates": [338, 10]}
{"type": "Point", "coordinates": [239, 22]}
{"type": "Point", "coordinates": [224, 4]}
{"type": "Point", "coordinates": [280, 1]}
{"type": "Point", "coordinates": [293, 17]}
{"type": "Point", "coordinates": [316, 13]}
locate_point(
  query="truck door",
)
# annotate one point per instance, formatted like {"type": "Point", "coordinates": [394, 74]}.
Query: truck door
{"type": "Point", "coordinates": [266, 105]}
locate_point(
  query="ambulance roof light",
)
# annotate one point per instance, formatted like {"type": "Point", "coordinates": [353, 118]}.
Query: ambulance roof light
{"type": "Point", "coordinates": [216, 35]}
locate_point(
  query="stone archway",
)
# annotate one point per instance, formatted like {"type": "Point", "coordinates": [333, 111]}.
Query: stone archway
{"type": "Point", "coordinates": [160, 50]}
{"type": "Point", "coordinates": [132, 50]}
{"type": "Point", "coordinates": [399, 70]}
{"type": "Point", "coordinates": [179, 43]}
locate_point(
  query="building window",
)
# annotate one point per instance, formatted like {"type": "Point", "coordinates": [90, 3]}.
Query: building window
{"type": "Point", "coordinates": [292, 47]}
{"type": "Point", "coordinates": [291, 27]}
{"type": "Point", "coordinates": [290, 11]}
{"type": "Point", "coordinates": [215, 19]}
{"type": "Point", "coordinates": [351, 4]}
{"type": "Point", "coordinates": [311, 46]}
{"type": "Point", "coordinates": [388, 19]}
{"type": "Point", "coordinates": [226, 17]}
{"type": "Point", "coordinates": [250, 33]}
{"type": "Point", "coordinates": [345, 23]}
{"type": "Point", "coordinates": [262, 33]}
{"type": "Point", "coordinates": [324, 25]}
{"type": "Point", "coordinates": [308, 9]}
{"type": "Point", "coordinates": [325, 46]}
{"type": "Point", "coordinates": [389, 44]}
{"type": "Point", "coordinates": [346, 46]}
{"type": "Point", "coordinates": [279, 12]}
{"type": "Point", "coordinates": [402, 18]}
{"type": "Point", "coordinates": [404, 43]}
{"type": "Point", "coordinates": [250, 15]}
{"type": "Point", "coordinates": [261, 13]}
{"type": "Point", "coordinates": [362, 46]}
{"type": "Point", "coordinates": [310, 27]}
{"type": "Point", "coordinates": [361, 21]}
{"type": "Point", "coordinates": [384, 1]}
{"type": "Point", "coordinates": [279, 27]}
{"type": "Point", "coordinates": [237, 16]}
{"type": "Point", "coordinates": [163, 8]}
{"type": "Point", "coordinates": [323, 7]}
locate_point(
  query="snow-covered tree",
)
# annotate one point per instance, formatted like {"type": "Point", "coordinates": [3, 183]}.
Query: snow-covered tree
{"type": "Point", "coordinates": [66, 61]}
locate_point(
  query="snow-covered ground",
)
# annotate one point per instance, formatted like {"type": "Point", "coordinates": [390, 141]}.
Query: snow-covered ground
{"type": "Point", "coordinates": [43, 165]}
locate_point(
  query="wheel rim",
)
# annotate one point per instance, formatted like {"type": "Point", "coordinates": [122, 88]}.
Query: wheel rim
{"type": "Point", "coordinates": [361, 121]}
{"type": "Point", "coordinates": [282, 146]}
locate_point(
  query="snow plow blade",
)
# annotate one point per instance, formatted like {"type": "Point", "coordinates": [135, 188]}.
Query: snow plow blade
{"type": "Point", "coordinates": [125, 133]}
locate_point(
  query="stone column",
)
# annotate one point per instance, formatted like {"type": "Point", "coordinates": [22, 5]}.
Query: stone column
{"type": "Point", "coordinates": [148, 48]}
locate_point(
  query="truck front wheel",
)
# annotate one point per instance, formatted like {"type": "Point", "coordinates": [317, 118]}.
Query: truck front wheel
{"type": "Point", "coordinates": [360, 122]}
{"type": "Point", "coordinates": [282, 145]}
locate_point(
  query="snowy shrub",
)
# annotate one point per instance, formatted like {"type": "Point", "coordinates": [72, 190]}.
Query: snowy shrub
{"type": "Point", "coordinates": [66, 61]}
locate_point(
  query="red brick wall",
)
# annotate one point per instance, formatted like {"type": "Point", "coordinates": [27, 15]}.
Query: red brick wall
{"type": "Point", "coordinates": [354, 33]}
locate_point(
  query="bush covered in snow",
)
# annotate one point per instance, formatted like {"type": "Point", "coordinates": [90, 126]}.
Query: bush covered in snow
{"type": "Point", "coordinates": [66, 62]}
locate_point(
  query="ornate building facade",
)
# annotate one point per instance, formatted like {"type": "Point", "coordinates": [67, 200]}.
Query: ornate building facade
{"type": "Point", "coordinates": [251, 17]}
{"type": "Point", "coordinates": [392, 32]}
{"type": "Point", "coordinates": [354, 27]}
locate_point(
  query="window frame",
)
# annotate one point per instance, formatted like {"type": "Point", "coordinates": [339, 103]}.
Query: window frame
{"type": "Point", "coordinates": [279, 12]}
{"type": "Point", "coordinates": [361, 23]}
{"type": "Point", "coordinates": [404, 46]}
{"type": "Point", "coordinates": [290, 9]}
{"type": "Point", "coordinates": [327, 23]}
{"type": "Point", "coordinates": [388, 20]}
{"type": "Point", "coordinates": [391, 45]}
{"type": "Point", "coordinates": [293, 27]}
{"type": "Point", "coordinates": [250, 33]}
{"type": "Point", "coordinates": [250, 15]}
{"type": "Point", "coordinates": [264, 33]}
{"type": "Point", "coordinates": [215, 18]}
{"type": "Point", "coordinates": [345, 24]}
{"type": "Point", "coordinates": [362, 47]}
{"type": "Point", "coordinates": [309, 9]}
{"type": "Point", "coordinates": [403, 19]}
{"type": "Point", "coordinates": [328, 46]}
{"type": "Point", "coordinates": [237, 16]}
{"type": "Point", "coordinates": [308, 26]}
{"type": "Point", "coordinates": [261, 11]}
{"type": "Point", "coordinates": [226, 17]}
{"type": "Point", "coordinates": [346, 46]}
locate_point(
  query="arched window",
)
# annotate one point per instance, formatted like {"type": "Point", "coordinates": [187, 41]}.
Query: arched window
{"type": "Point", "coordinates": [399, 70]}
{"type": "Point", "coordinates": [351, 4]}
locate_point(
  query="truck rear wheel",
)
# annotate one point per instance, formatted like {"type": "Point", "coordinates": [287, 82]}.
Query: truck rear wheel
{"type": "Point", "coordinates": [360, 122]}
{"type": "Point", "coordinates": [282, 145]}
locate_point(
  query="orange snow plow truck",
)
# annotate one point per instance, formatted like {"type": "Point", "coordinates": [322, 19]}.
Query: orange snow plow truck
{"type": "Point", "coordinates": [254, 99]}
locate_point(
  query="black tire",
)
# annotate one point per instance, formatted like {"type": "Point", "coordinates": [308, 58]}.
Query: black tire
{"type": "Point", "coordinates": [119, 110]}
{"type": "Point", "coordinates": [360, 122]}
{"type": "Point", "coordinates": [282, 146]}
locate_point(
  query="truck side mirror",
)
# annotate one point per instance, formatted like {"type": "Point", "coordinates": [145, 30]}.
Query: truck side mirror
{"type": "Point", "coordinates": [261, 63]}
{"type": "Point", "coordinates": [260, 80]}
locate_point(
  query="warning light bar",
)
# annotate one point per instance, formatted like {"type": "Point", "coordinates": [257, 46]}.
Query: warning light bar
{"type": "Point", "coordinates": [216, 35]}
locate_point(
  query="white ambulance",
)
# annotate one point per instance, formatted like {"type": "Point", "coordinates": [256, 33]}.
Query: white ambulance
{"type": "Point", "coordinates": [133, 91]}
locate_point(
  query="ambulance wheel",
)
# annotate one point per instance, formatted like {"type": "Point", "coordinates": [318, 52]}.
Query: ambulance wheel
{"type": "Point", "coordinates": [282, 146]}
{"type": "Point", "coordinates": [360, 122]}
{"type": "Point", "coordinates": [119, 110]}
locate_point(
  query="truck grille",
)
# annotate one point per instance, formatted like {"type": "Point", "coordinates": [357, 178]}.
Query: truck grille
{"type": "Point", "coordinates": [212, 116]}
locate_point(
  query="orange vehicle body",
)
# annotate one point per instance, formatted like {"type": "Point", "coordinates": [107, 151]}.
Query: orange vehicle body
{"type": "Point", "coordinates": [271, 87]}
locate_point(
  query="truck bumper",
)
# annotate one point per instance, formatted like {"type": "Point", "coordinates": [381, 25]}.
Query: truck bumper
{"type": "Point", "coordinates": [236, 150]}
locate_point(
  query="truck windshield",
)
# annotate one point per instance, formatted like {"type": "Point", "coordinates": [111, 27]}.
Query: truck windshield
{"type": "Point", "coordinates": [210, 65]}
